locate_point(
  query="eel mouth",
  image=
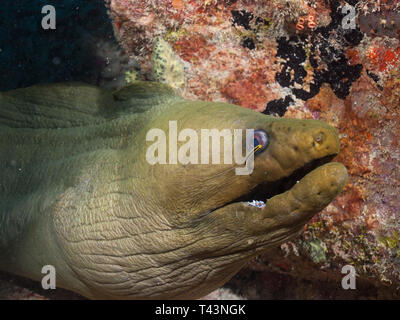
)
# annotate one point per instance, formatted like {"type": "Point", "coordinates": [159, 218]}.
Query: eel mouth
{"type": "Point", "coordinates": [266, 190]}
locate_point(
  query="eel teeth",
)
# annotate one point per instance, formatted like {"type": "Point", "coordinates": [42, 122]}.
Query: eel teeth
{"type": "Point", "coordinates": [257, 203]}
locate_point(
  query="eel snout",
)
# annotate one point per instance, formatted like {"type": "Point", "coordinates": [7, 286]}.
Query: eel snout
{"type": "Point", "coordinates": [308, 196]}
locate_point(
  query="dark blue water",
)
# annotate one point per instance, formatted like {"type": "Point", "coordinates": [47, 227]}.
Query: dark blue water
{"type": "Point", "coordinates": [30, 55]}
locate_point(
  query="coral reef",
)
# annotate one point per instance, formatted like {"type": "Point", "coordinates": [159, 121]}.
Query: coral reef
{"type": "Point", "coordinates": [166, 65]}
{"type": "Point", "coordinates": [295, 59]}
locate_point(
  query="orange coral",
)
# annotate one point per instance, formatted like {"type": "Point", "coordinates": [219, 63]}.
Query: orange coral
{"type": "Point", "coordinates": [300, 24]}
{"type": "Point", "coordinates": [178, 4]}
{"type": "Point", "coordinates": [353, 56]}
{"type": "Point", "coordinates": [389, 59]}
{"type": "Point", "coordinates": [310, 18]}
{"type": "Point", "coordinates": [311, 21]}
{"type": "Point", "coordinates": [372, 54]}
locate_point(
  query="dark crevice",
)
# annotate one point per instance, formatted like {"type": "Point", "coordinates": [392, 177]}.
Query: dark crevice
{"type": "Point", "coordinates": [278, 107]}
{"type": "Point", "coordinates": [330, 61]}
{"type": "Point", "coordinates": [244, 18]}
{"type": "Point", "coordinates": [375, 77]}
{"type": "Point", "coordinates": [249, 43]}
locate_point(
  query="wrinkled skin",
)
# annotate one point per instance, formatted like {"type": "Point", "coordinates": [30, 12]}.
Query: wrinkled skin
{"type": "Point", "coordinates": [77, 192]}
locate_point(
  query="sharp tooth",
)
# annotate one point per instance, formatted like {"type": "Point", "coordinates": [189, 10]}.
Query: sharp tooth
{"type": "Point", "coordinates": [256, 203]}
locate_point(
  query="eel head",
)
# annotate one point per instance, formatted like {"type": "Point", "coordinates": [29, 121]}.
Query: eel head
{"type": "Point", "coordinates": [188, 228]}
{"type": "Point", "coordinates": [219, 219]}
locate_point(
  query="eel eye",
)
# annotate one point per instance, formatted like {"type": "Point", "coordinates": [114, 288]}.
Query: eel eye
{"type": "Point", "coordinates": [260, 139]}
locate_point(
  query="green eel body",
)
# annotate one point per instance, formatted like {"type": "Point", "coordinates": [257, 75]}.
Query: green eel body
{"type": "Point", "coordinates": [77, 193]}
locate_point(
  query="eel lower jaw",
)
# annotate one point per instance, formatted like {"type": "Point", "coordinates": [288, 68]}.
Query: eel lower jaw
{"type": "Point", "coordinates": [294, 199]}
{"type": "Point", "coordinates": [265, 191]}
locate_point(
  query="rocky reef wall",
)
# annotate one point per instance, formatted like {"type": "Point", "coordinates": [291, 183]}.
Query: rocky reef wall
{"type": "Point", "coordinates": [302, 59]}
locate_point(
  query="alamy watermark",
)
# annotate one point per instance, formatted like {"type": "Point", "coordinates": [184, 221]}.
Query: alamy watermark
{"type": "Point", "coordinates": [49, 280]}
{"type": "Point", "coordinates": [49, 20]}
{"type": "Point", "coordinates": [188, 152]}
{"type": "Point", "coordinates": [349, 20]}
{"type": "Point", "coordinates": [349, 280]}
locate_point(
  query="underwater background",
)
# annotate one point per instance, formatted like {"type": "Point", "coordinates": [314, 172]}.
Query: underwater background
{"type": "Point", "coordinates": [81, 48]}
{"type": "Point", "coordinates": [288, 58]}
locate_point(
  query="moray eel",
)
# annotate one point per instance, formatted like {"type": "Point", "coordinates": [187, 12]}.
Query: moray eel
{"type": "Point", "coordinates": [77, 193]}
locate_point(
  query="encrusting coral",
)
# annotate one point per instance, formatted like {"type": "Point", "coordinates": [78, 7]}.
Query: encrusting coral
{"type": "Point", "coordinates": [166, 65]}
